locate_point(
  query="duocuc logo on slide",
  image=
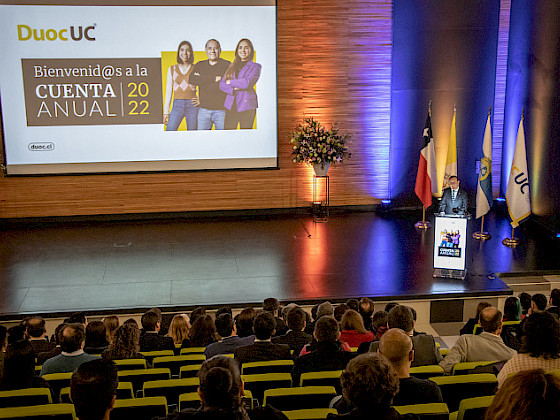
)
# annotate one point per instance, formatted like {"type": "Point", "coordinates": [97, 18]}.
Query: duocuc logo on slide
{"type": "Point", "coordinates": [74, 33]}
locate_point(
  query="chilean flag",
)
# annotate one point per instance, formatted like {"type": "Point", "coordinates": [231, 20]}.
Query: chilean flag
{"type": "Point", "coordinates": [426, 178]}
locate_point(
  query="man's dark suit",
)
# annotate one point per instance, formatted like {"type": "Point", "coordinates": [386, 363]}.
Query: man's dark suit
{"type": "Point", "coordinates": [262, 351]}
{"type": "Point", "coordinates": [325, 356]}
{"type": "Point", "coordinates": [295, 339]}
{"type": "Point", "coordinates": [228, 345]}
{"type": "Point", "coordinates": [447, 204]}
{"type": "Point", "coordinates": [425, 350]}
{"type": "Point", "coordinates": [41, 346]}
{"type": "Point", "coordinates": [152, 341]}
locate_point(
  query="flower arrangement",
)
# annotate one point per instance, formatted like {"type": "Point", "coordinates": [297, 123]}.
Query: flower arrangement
{"type": "Point", "coordinates": [314, 144]}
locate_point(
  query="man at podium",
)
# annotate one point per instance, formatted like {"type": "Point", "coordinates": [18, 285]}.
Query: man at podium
{"type": "Point", "coordinates": [454, 200]}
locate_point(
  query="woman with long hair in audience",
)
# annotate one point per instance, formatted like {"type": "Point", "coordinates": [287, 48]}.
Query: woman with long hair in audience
{"type": "Point", "coordinates": [353, 330]}
{"type": "Point", "coordinates": [239, 85]}
{"type": "Point", "coordinates": [179, 328]}
{"type": "Point", "coordinates": [512, 309]}
{"type": "Point", "coordinates": [203, 332]}
{"type": "Point", "coordinates": [96, 338]}
{"type": "Point", "coordinates": [125, 344]}
{"type": "Point", "coordinates": [221, 392]}
{"type": "Point", "coordinates": [527, 395]}
{"type": "Point", "coordinates": [111, 323]}
{"type": "Point", "coordinates": [244, 322]}
{"type": "Point", "coordinates": [19, 368]}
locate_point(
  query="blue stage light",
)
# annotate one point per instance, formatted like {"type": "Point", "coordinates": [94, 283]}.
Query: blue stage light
{"type": "Point", "coordinates": [385, 201]}
{"type": "Point", "coordinates": [500, 199]}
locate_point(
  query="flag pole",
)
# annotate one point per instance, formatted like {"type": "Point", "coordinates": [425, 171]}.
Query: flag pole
{"type": "Point", "coordinates": [424, 224]}
{"type": "Point", "coordinates": [511, 242]}
{"type": "Point", "coordinates": [483, 236]}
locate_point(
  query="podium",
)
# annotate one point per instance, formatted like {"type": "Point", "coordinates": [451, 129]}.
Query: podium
{"type": "Point", "coordinates": [450, 246]}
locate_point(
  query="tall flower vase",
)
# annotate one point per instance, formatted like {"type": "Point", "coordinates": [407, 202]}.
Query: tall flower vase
{"type": "Point", "coordinates": [321, 169]}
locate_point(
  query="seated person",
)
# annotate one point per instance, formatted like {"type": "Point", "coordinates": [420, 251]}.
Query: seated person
{"type": "Point", "coordinates": [326, 354]}
{"type": "Point", "coordinates": [425, 349]}
{"type": "Point", "coordinates": [93, 389]}
{"type": "Point", "coordinates": [488, 345]}
{"type": "Point", "coordinates": [37, 335]}
{"type": "Point", "coordinates": [19, 368]}
{"type": "Point", "coordinates": [151, 340]}
{"type": "Point", "coordinates": [262, 349]}
{"type": "Point", "coordinates": [396, 347]}
{"type": "Point", "coordinates": [230, 340]}
{"type": "Point", "coordinates": [369, 384]}
{"type": "Point", "coordinates": [296, 338]}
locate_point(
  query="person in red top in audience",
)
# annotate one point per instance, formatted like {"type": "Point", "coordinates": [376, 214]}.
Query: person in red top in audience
{"type": "Point", "coordinates": [353, 331]}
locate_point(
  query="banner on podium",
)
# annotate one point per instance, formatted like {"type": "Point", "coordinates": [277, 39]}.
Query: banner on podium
{"type": "Point", "coordinates": [450, 243]}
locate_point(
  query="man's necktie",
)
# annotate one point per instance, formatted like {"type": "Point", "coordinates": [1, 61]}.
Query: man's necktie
{"type": "Point", "coordinates": [453, 194]}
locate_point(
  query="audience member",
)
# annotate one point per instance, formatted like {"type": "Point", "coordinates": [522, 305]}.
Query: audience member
{"type": "Point", "coordinates": [367, 308]}
{"type": "Point", "coordinates": [325, 309]}
{"type": "Point", "coordinates": [42, 357]}
{"type": "Point", "coordinates": [37, 335]}
{"type": "Point", "coordinates": [16, 333]}
{"type": "Point", "coordinates": [72, 355]}
{"type": "Point", "coordinates": [93, 389]}
{"type": "Point", "coordinates": [339, 311]}
{"type": "Point", "coordinates": [396, 347]}
{"type": "Point", "coordinates": [221, 391]}
{"type": "Point", "coordinates": [19, 368]}
{"type": "Point", "coordinates": [295, 338]}
{"type": "Point", "coordinates": [96, 338]}
{"type": "Point", "coordinates": [390, 306]}
{"type": "Point", "coordinates": [163, 329]}
{"type": "Point", "coordinates": [369, 384]}
{"type": "Point", "coordinates": [262, 349]}
{"type": "Point", "coordinates": [310, 327]}
{"type": "Point", "coordinates": [111, 324]}
{"type": "Point", "coordinates": [203, 333]}
{"type": "Point", "coordinates": [468, 328]}
{"type": "Point", "coordinates": [512, 309]}
{"type": "Point", "coordinates": [125, 344]}
{"type": "Point", "coordinates": [379, 323]}
{"type": "Point", "coordinates": [326, 353]}
{"type": "Point", "coordinates": [179, 329]}
{"type": "Point", "coordinates": [511, 333]}
{"type": "Point", "coordinates": [3, 345]}
{"type": "Point", "coordinates": [196, 313]}
{"type": "Point", "coordinates": [540, 348]}
{"type": "Point", "coordinates": [353, 304]}
{"type": "Point", "coordinates": [151, 340]}
{"type": "Point", "coordinates": [555, 302]}
{"type": "Point", "coordinates": [224, 310]}
{"type": "Point", "coordinates": [538, 303]}
{"type": "Point", "coordinates": [226, 329]}
{"type": "Point", "coordinates": [132, 321]}
{"type": "Point", "coordinates": [287, 309]}
{"type": "Point", "coordinates": [425, 350]}
{"type": "Point", "coordinates": [525, 300]}
{"type": "Point", "coordinates": [527, 395]}
{"type": "Point", "coordinates": [353, 330]}
{"type": "Point", "coordinates": [78, 318]}
{"type": "Point", "coordinates": [273, 306]}
{"type": "Point", "coordinates": [488, 345]}
{"type": "Point", "coordinates": [244, 322]}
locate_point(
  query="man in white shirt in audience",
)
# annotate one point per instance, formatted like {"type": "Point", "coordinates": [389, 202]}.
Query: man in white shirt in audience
{"type": "Point", "coordinates": [486, 346]}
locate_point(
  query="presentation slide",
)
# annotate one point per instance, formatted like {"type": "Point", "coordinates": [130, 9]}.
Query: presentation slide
{"type": "Point", "coordinates": [102, 87]}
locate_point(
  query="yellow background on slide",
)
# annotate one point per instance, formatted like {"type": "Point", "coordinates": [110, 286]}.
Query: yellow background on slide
{"type": "Point", "coordinates": [169, 58]}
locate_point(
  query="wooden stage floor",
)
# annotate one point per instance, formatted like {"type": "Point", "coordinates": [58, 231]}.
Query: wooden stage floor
{"type": "Point", "coordinates": [181, 263]}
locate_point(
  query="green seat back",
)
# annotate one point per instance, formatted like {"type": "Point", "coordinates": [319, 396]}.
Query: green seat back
{"type": "Point", "coordinates": [139, 408]}
{"type": "Point", "coordinates": [258, 383]}
{"type": "Point", "coordinates": [286, 399]}
{"type": "Point", "coordinates": [474, 408]}
{"type": "Point", "coordinates": [174, 363]}
{"type": "Point", "coordinates": [464, 368]}
{"type": "Point", "coordinates": [170, 388]}
{"type": "Point", "coordinates": [149, 355]}
{"type": "Point", "coordinates": [424, 372]}
{"type": "Point", "coordinates": [269, 366]}
{"type": "Point", "coordinates": [25, 397]}
{"type": "Point", "coordinates": [189, 371]}
{"type": "Point", "coordinates": [458, 387]}
{"type": "Point", "coordinates": [322, 378]}
{"type": "Point", "coordinates": [309, 413]}
{"type": "Point", "coordinates": [57, 381]}
{"type": "Point", "coordinates": [129, 364]}
{"type": "Point", "coordinates": [138, 376]}
{"type": "Point", "coordinates": [433, 411]}
{"type": "Point", "coordinates": [47, 411]}
{"type": "Point", "coordinates": [192, 350]}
